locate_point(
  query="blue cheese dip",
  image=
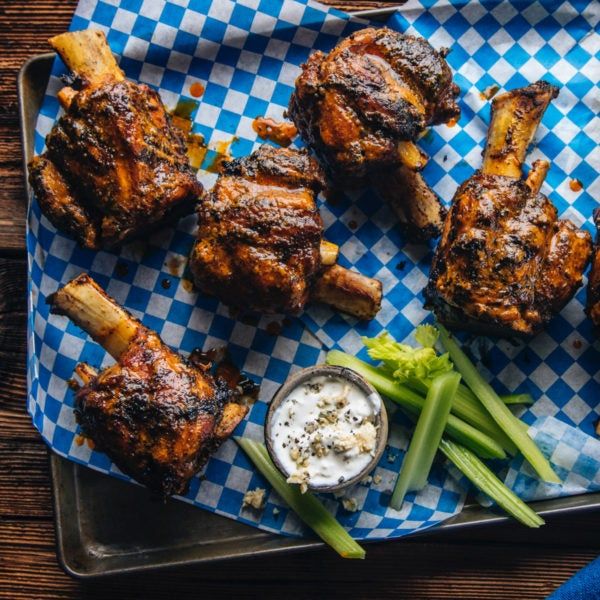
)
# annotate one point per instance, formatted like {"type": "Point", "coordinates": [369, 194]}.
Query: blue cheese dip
{"type": "Point", "coordinates": [325, 431]}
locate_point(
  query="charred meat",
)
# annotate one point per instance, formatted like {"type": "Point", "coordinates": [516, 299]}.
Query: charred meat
{"type": "Point", "coordinates": [506, 264]}
{"type": "Point", "coordinates": [155, 414]}
{"type": "Point", "coordinates": [361, 108]}
{"type": "Point", "coordinates": [593, 290]}
{"type": "Point", "coordinates": [260, 239]}
{"type": "Point", "coordinates": [114, 166]}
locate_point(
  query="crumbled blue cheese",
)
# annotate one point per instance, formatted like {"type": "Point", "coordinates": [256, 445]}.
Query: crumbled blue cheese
{"type": "Point", "coordinates": [350, 504]}
{"type": "Point", "coordinates": [325, 431]}
{"type": "Point", "coordinates": [254, 498]}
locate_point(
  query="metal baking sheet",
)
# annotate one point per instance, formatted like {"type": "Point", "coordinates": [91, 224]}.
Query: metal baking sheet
{"type": "Point", "coordinates": [102, 524]}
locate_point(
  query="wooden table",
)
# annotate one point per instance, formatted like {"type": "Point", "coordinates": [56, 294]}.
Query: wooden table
{"type": "Point", "coordinates": [493, 562]}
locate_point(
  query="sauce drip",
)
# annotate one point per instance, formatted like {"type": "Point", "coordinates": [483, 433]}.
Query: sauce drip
{"type": "Point", "coordinates": [184, 109]}
{"type": "Point", "coordinates": [181, 117]}
{"type": "Point", "coordinates": [274, 328]}
{"type": "Point", "coordinates": [218, 359]}
{"type": "Point", "coordinates": [174, 265]}
{"type": "Point", "coordinates": [222, 154]}
{"type": "Point", "coordinates": [268, 128]}
{"type": "Point", "coordinates": [187, 285]}
{"type": "Point", "coordinates": [196, 89]}
{"type": "Point", "coordinates": [196, 150]}
{"type": "Point", "coordinates": [452, 122]}
{"type": "Point", "coordinates": [489, 92]}
{"type": "Point", "coordinates": [575, 185]}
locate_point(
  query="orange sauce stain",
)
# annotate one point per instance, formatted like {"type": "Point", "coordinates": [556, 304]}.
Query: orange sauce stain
{"type": "Point", "coordinates": [196, 150]}
{"type": "Point", "coordinates": [489, 92]}
{"type": "Point", "coordinates": [188, 286]}
{"type": "Point", "coordinates": [575, 185]}
{"type": "Point", "coordinates": [269, 129]}
{"type": "Point", "coordinates": [274, 328]}
{"type": "Point", "coordinates": [452, 122]}
{"type": "Point", "coordinates": [196, 89]}
{"type": "Point", "coordinates": [181, 117]}
{"type": "Point", "coordinates": [90, 443]}
{"type": "Point", "coordinates": [174, 265]}
{"type": "Point", "coordinates": [182, 123]}
{"type": "Point", "coordinates": [223, 154]}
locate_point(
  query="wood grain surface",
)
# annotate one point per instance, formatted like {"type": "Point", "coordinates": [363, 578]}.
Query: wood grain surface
{"type": "Point", "coordinates": [493, 562]}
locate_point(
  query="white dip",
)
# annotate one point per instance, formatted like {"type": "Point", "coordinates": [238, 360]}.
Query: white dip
{"type": "Point", "coordinates": [324, 432]}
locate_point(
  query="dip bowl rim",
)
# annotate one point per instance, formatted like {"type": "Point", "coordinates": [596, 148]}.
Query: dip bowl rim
{"type": "Point", "coordinates": [298, 379]}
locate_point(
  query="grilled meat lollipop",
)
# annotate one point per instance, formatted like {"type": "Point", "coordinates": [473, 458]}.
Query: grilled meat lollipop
{"type": "Point", "coordinates": [362, 106]}
{"type": "Point", "coordinates": [505, 263]}
{"type": "Point", "coordinates": [114, 166]}
{"type": "Point", "coordinates": [155, 414]}
{"type": "Point", "coordinates": [593, 290]}
{"type": "Point", "coordinates": [260, 245]}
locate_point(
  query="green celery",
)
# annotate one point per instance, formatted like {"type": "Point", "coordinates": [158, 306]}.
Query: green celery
{"type": "Point", "coordinates": [462, 432]}
{"type": "Point", "coordinates": [306, 506]}
{"type": "Point", "coordinates": [512, 426]}
{"type": "Point", "coordinates": [510, 399]}
{"type": "Point", "coordinates": [426, 437]}
{"type": "Point", "coordinates": [479, 474]}
{"type": "Point", "coordinates": [467, 407]}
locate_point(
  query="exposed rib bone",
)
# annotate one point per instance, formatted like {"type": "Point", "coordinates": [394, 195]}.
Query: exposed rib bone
{"type": "Point", "coordinates": [515, 119]}
{"type": "Point", "coordinates": [88, 56]}
{"type": "Point", "coordinates": [65, 96]}
{"type": "Point", "coordinates": [417, 206]}
{"type": "Point", "coordinates": [537, 174]}
{"type": "Point", "coordinates": [412, 156]}
{"type": "Point", "coordinates": [86, 373]}
{"type": "Point", "coordinates": [329, 253]}
{"type": "Point", "coordinates": [89, 307]}
{"type": "Point", "coordinates": [349, 292]}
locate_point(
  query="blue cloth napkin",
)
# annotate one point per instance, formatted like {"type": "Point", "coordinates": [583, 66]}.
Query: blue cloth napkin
{"type": "Point", "coordinates": [584, 585]}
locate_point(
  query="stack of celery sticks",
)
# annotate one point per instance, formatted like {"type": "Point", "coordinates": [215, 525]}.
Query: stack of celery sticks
{"type": "Point", "coordinates": [467, 421]}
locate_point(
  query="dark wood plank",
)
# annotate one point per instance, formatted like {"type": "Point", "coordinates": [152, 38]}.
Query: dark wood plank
{"type": "Point", "coordinates": [392, 570]}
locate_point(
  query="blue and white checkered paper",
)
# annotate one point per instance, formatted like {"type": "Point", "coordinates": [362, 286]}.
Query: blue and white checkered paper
{"type": "Point", "coordinates": [247, 55]}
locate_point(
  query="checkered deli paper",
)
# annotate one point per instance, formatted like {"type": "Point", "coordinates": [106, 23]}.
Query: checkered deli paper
{"type": "Point", "coordinates": [247, 55]}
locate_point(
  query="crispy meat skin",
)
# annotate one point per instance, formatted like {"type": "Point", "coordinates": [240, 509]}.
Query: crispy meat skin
{"type": "Point", "coordinates": [115, 166]}
{"type": "Point", "coordinates": [259, 232]}
{"type": "Point", "coordinates": [375, 89]}
{"type": "Point", "coordinates": [153, 414]}
{"type": "Point", "coordinates": [156, 415]}
{"type": "Point", "coordinates": [505, 263]}
{"type": "Point", "coordinates": [593, 291]}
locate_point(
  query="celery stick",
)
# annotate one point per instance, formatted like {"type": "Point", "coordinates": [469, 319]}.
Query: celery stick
{"type": "Point", "coordinates": [426, 437]}
{"type": "Point", "coordinates": [462, 432]}
{"type": "Point", "coordinates": [510, 399]}
{"type": "Point", "coordinates": [499, 411]}
{"type": "Point", "coordinates": [467, 407]}
{"type": "Point", "coordinates": [479, 474]}
{"type": "Point", "coordinates": [306, 506]}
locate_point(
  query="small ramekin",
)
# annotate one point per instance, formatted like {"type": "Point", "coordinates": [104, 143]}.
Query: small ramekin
{"type": "Point", "coordinates": [296, 380]}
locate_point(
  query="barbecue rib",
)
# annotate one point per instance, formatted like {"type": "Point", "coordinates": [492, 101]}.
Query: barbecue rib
{"type": "Point", "coordinates": [260, 244]}
{"type": "Point", "coordinates": [115, 166]}
{"type": "Point", "coordinates": [155, 414]}
{"type": "Point", "coordinates": [505, 263]}
{"type": "Point", "coordinates": [593, 291]}
{"type": "Point", "coordinates": [362, 107]}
